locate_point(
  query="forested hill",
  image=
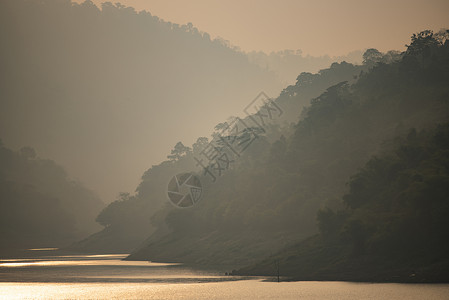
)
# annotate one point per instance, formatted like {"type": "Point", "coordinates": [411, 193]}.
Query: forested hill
{"type": "Point", "coordinates": [78, 76]}
{"type": "Point", "coordinates": [271, 195]}
{"type": "Point", "coordinates": [40, 206]}
{"type": "Point", "coordinates": [268, 199]}
{"type": "Point", "coordinates": [391, 224]}
{"type": "Point", "coordinates": [286, 63]}
{"type": "Point", "coordinates": [394, 226]}
{"type": "Point", "coordinates": [127, 221]}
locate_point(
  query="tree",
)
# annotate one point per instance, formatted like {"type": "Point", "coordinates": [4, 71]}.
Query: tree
{"type": "Point", "coordinates": [422, 44]}
{"type": "Point", "coordinates": [371, 57]}
{"type": "Point", "coordinates": [179, 151]}
{"type": "Point", "coordinates": [200, 145]}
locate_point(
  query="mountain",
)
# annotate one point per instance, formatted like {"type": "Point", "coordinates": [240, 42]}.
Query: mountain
{"type": "Point", "coordinates": [94, 88]}
{"type": "Point", "coordinates": [285, 64]}
{"type": "Point", "coordinates": [269, 198]}
{"type": "Point", "coordinates": [129, 220]}
{"type": "Point", "coordinates": [394, 226]}
{"type": "Point", "coordinates": [151, 192]}
{"type": "Point", "coordinates": [40, 205]}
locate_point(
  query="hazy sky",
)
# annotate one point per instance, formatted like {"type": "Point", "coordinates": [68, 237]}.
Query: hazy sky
{"type": "Point", "coordinates": [317, 27]}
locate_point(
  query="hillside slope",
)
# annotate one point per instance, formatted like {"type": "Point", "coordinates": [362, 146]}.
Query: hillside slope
{"type": "Point", "coordinates": [269, 198]}
{"type": "Point", "coordinates": [394, 226]}
{"type": "Point", "coordinates": [40, 206]}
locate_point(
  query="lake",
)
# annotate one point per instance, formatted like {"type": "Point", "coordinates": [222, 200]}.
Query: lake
{"type": "Point", "coordinates": [109, 277]}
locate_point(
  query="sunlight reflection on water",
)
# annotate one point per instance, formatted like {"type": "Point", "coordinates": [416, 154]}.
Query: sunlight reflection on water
{"type": "Point", "coordinates": [80, 260]}
{"type": "Point", "coordinates": [109, 277]}
{"type": "Point", "coordinates": [248, 289]}
{"type": "Point", "coordinates": [43, 249]}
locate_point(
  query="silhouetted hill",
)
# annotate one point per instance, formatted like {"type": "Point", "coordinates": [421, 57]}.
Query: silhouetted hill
{"type": "Point", "coordinates": [111, 81]}
{"type": "Point", "coordinates": [285, 64]}
{"type": "Point", "coordinates": [270, 196]}
{"type": "Point", "coordinates": [394, 226]}
{"type": "Point", "coordinates": [151, 192]}
{"type": "Point", "coordinates": [40, 205]}
{"type": "Point", "coordinates": [121, 235]}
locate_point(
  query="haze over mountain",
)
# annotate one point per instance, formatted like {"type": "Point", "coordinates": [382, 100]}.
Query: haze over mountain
{"type": "Point", "coordinates": [318, 28]}
{"type": "Point", "coordinates": [40, 205]}
{"type": "Point", "coordinates": [342, 175]}
{"type": "Point", "coordinates": [104, 92]}
{"type": "Point", "coordinates": [287, 198]}
{"type": "Point", "coordinates": [84, 77]}
{"type": "Point", "coordinates": [386, 133]}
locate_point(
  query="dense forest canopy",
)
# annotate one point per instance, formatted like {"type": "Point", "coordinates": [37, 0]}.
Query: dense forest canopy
{"type": "Point", "coordinates": [393, 225]}
{"type": "Point", "coordinates": [269, 198]}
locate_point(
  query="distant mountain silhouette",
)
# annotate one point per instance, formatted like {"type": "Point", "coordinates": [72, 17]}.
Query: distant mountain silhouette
{"type": "Point", "coordinates": [40, 205]}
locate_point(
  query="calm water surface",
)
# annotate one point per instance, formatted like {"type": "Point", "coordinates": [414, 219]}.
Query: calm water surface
{"type": "Point", "coordinates": [108, 277]}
